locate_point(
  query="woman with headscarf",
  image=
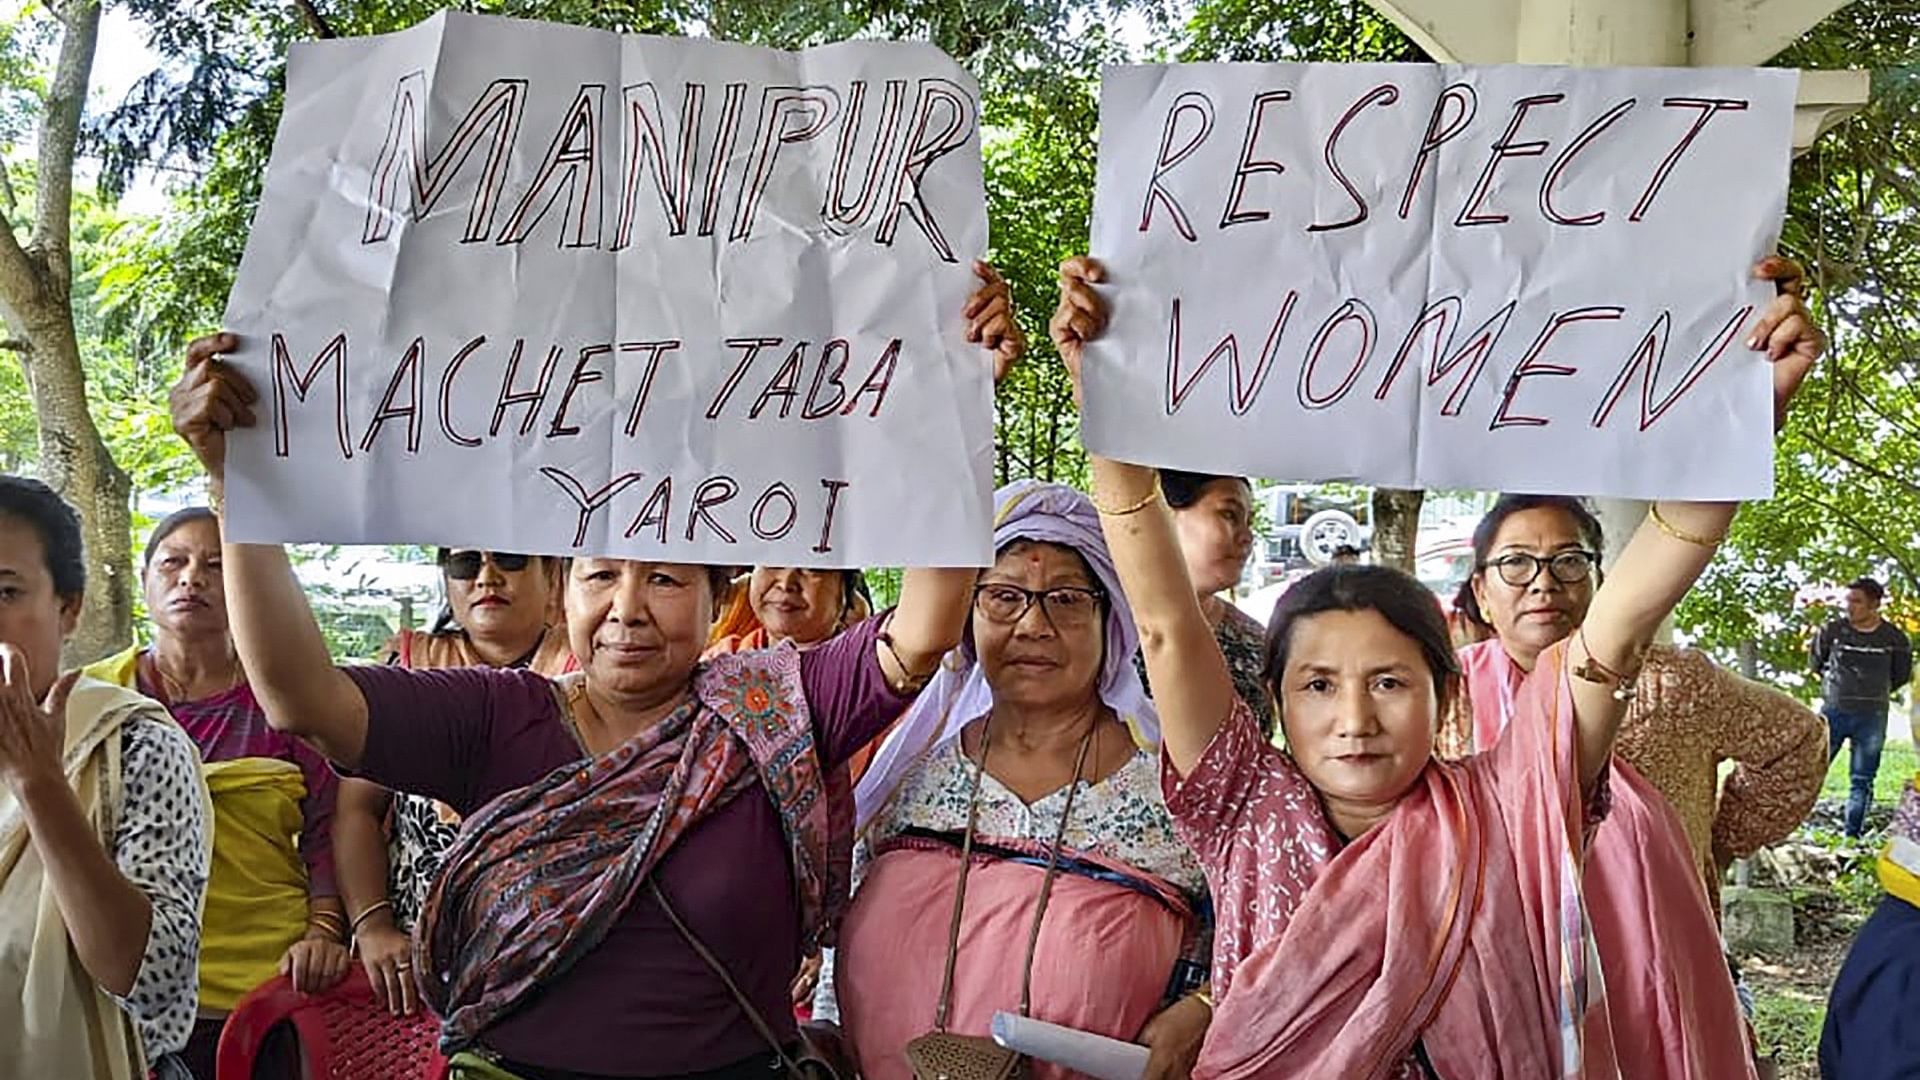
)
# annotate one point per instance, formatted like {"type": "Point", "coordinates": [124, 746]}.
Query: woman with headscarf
{"type": "Point", "coordinates": [1035, 736]}
{"type": "Point", "coordinates": [1382, 913]}
{"type": "Point", "coordinates": [105, 833]}
{"type": "Point", "coordinates": [273, 905]}
{"type": "Point", "coordinates": [641, 841]}
{"type": "Point", "coordinates": [499, 613]}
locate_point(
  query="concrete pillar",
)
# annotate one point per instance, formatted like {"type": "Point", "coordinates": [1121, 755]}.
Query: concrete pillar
{"type": "Point", "coordinates": [1602, 33]}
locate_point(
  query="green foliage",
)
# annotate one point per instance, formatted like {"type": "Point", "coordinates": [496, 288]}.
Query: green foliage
{"type": "Point", "coordinates": [1848, 465]}
{"type": "Point", "coordinates": [1787, 1024]}
{"type": "Point", "coordinates": [1292, 30]}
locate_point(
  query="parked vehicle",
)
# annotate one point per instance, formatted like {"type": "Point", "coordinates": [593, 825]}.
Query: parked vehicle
{"type": "Point", "coordinates": [1306, 525]}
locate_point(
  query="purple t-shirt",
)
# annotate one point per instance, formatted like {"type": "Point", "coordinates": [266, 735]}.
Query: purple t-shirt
{"type": "Point", "coordinates": [642, 1003]}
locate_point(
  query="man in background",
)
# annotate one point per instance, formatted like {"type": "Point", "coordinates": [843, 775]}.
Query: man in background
{"type": "Point", "coordinates": [1862, 659]}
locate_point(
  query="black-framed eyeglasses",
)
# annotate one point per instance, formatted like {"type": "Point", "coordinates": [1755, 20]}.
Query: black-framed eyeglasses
{"type": "Point", "coordinates": [465, 565]}
{"type": "Point", "coordinates": [1520, 569]}
{"type": "Point", "coordinates": [1067, 605]}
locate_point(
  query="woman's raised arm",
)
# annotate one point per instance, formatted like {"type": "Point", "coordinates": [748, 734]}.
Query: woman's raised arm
{"type": "Point", "coordinates": [932, 613]}
{"type": "Point", "coordinates": [1191, 686]}
{"type": "Point", "coordinates": [280, 646]}
{"type": "Point", "coordinates": [1675, 543]}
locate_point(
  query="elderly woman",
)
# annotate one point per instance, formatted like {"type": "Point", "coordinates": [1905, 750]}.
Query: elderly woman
{"type": "Point", "coordinates": [1339, 867]}
{"type": "Point", "coordinates": [657, 831]}
{"type": "Point", "coordinates": [499, 614]}
{"type": "Point", "coordinates": [790, 603]}
{"type": "Point", "coordinates": [272, 902]}
{"type": "Point", "coordinates": [105, 833]}
{"type": "Point", "coordinates": [1032, 752]}
{"type": "Point", "coordinates": [1213, 516]}
{"type": "Point", "coordinates": [1674, 826]}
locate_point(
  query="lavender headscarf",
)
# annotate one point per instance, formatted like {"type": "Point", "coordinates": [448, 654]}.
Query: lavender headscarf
{"type": "Point", "coordinates": [959, 695]}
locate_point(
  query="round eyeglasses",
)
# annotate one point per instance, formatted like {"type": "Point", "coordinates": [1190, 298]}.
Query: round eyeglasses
{"type": "Point", "coordinates": [1520, 569]}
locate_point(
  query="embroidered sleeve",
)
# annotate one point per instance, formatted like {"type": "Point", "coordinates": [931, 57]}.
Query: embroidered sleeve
{"type": "Point", "coordinates": [1780, 750]}
{"type": "Point", "coordinates": [162, 844]}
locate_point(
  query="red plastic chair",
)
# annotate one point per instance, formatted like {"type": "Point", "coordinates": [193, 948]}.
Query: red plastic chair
{"type": "Point", "coordinates": [343, 1034]}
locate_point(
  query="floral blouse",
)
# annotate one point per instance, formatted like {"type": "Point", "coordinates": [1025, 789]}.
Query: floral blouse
{"type": "Point", "coordinates": [1123, 817]}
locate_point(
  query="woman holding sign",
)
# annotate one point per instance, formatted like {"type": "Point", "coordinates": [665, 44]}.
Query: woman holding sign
{"type": "Point", "coordinates": [1381, 913]}
{"type": "Point", "coordinates": [1673, 823]}
{"type": "Point", "coordinates": [649, 847]}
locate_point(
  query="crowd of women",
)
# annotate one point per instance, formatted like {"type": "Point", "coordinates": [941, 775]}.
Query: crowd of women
{"type": "Point", "coordinates": [618, 818]}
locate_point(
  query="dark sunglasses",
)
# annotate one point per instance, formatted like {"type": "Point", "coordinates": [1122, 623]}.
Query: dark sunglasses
{"type": "Point", "coordinates": [465, 565]}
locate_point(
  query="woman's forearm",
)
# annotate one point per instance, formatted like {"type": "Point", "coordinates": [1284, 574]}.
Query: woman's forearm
{"type": "Point", "coordinates": [360, 844]}
{"type": "Point", "coordinates": [285, 657]}
{"type": "Point", "coordinates": [931, 616]}
{"type": "Point", "coordinates": [108, 918]}
{"type": "Point", "coordinates": [1191, 686]}
{"type": "Point", "coordinates": [1641, 590]}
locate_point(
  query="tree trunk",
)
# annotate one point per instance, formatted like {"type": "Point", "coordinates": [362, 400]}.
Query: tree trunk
{"type": "Point", "coordinates": [1396, 526]}
{"type": "Point", "coordinates": [36, 291]}
{"type": "Point", "coordinates": [74, 461]}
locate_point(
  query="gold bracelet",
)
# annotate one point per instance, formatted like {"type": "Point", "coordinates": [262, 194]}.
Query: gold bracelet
{"type": "Point", "coordinates": [1131, 508]}
{"type": "Point", "coordinates": [360, 919]}
{"type": "Point", "coordinates": [1204, 996]}
{"type": "Point", "coordinates": [217, 501]}
{"type": "Point", "coordinates": [332, 925]}
{"type": "Point", "coordinates": [1665, 526]}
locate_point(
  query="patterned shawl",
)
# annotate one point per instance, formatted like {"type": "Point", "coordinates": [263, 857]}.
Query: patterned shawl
{"type": "Point", "coordinates": [541, 873]}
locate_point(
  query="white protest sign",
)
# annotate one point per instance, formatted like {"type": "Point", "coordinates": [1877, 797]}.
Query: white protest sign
{"type": "Point", "coordinates": [1503, 278]}
{"type": "Point", "coordinates": [539, 288]}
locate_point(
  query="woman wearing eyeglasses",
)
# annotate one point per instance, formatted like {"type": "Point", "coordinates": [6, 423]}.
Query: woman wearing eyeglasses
{"type": "Point", "coordinates": [499, 613]}
{"type": "Point", "coordinates": [1036, 739]}
{"type": "Point", "coordinates": [1654, 871]}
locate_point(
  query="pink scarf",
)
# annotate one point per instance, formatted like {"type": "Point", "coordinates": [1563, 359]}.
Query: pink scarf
{"type": "Point", "coordinates": [1456, 923]}
{"type": "Point", "coordinates": [1669, 993]}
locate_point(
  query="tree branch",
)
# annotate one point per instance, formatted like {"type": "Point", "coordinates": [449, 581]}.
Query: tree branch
{"type": "Point", "coordinates": [314, 20]}
{"type": "Point", "coordinates": [1866, 467]}
{"type": "Point", "coordinates": [1841, 516]}
{"type": "Point", "coordinates": [59, 132]}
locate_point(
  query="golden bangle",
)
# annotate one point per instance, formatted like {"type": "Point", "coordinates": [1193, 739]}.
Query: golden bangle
{"type": "Point", "coordinates": [360, 919]}
{"type": "Point", "coordinates": [1146, 500]}
{"type": "Point", "coordinates": [1204, 996]}
{"type": "Point", "coordinates": [1685, 537]}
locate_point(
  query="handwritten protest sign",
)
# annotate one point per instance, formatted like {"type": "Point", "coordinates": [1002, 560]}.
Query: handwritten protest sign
{"type": "Point", "coordinates": [539, 288]}
{"type": "Point", "coordinates": [1513, 278]}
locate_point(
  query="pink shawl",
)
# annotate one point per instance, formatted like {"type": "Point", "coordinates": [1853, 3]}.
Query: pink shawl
{"type": "Point", "coordinates": [1456, 922]}
{"type": "Point", "coordinates": [1668, 990]}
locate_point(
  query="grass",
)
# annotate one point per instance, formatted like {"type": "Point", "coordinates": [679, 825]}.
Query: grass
{"type": "Point", "coordinates": [1788, 1025]}
{"type": "Point", "coordinates": [1897, 765]}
